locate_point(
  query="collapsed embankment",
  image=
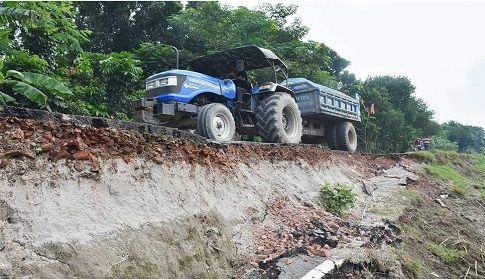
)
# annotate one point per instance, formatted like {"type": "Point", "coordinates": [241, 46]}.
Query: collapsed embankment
{"type": "Point", "coordinates": [94, 198]}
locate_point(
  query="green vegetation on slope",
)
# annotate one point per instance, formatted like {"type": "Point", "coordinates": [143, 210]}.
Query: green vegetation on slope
{"type": "Point", "coordinates": [446, 241]}
{"type": "Point", "coordinates": [463, 173]}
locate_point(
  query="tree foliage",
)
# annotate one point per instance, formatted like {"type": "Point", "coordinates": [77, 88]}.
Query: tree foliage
{"type": "Point", "coordinates": [17, 86]}
{"type": "Point", "coordinates": [33, 89]}
{"type": "Point", "coordinates": [52, 35]}
{"type": "Point", "coordinates": [123, 25]}
{"type": "Point", "coordinates": [468, 139]}
{"type": "Point", "coordinates": [104, 85]}
{"type": "Point", "coordinates": [208, 26]}
{"type": "Point", "coordinates": [399, 115]}
{"type": "Point", "coordinates": [157, 58]}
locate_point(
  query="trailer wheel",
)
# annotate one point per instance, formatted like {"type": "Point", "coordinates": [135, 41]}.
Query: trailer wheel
{"type": "Point", "coordinates": [218, 122]}
{"type": "Point", "coordinates": [346, 137]}
{"type": "Point", "coordinates": [331, 137]}
{"type": "Point", "coordinates": [200, 122]}
{"type": "Point", "coordinates": [278, 119]}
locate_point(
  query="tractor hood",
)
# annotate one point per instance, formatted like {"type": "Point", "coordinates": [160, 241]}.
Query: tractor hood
{"type": "Point", "coordinates": [222, 63]}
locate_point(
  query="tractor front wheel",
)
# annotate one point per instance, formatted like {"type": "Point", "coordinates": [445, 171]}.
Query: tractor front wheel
{"type": "Point", "coordinates": [216, 122]}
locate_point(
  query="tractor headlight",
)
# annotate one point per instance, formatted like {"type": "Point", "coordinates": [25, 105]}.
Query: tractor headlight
{"type": "Point", "coordinates": [150, 85]}
{"type": "Point", "coordinates": [162, 82]}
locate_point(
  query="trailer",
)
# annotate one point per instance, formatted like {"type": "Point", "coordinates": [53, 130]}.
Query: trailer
{"type": "Point", "coordinates": [328, 114]}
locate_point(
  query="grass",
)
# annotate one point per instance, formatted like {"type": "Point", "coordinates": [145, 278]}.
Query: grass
{"type": "Point", "coordinates": [444, 157]}
{"type": "Point", "coordinates": [412, 264]}
{"type": "Point", "coordinates": [482, 194]}
{"type": "Point", "coordinates": [464, 172]}
{"type": "Point", "coordinates": [458, 190]}
{"type": "Point", "coordinates": [410, 194]}
{"type": "Point", "coordinates": [409, 230]}
{"type": "Point", "coordinates": [413, 196]}
{"type": "Point", "coordinates": [416, 267]}
{"type": "Point", "coordinates": [446, 172]}
{"type": "Point", "coordinates": [479, 164]}
{"type": "Point", "coordinates": [385, 211]}
{"type": "Point", "coordinates": [445, 253]}
{"type": "Point", "coordinates": [429, 156]}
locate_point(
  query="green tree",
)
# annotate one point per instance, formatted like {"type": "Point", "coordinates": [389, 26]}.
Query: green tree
{"type": "Point", "coordinates": [400, 116]}
{"type": "Point", "coordinates": [157, 58]}
{"type": "Point", "coordinates": [460, 134]}
{"type": "Point", "coordinates": [314, 61]}
{"type": "Point", "coordinates": [478, 135]}
{"type": "Point", "coordinates": [208, 26]}
{"type": "Point", "coordinates": [441, 142]}
{"type": "Point", "coordinates": [280, 13]}
{"type": "Point", "coordinates": [53, 35]}
{"type": "Point", "coordinates": [468, 138]}
{"type": "Point", "coordinates": [202, 27]}
{"type": "Point", "coordinates": [105, 85]}
{"type": "Point", "coordinates": [30, 89]}
{"type": "Point", "coordinates": [34, 89]}
{"type": "Point", "coordinates": [123, 25]}
{"type": "Point", "coordinates": [348, 83]}
{"type": "Point", "coordinates": [151, 22]}
{"type": "Point", "coordinates": [109, 22]}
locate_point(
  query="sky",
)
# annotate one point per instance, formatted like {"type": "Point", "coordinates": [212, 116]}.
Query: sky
{"type": "Point", "coordinates": [438, 45]}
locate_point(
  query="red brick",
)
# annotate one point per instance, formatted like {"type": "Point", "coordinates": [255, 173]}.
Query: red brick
{"type": "Point", "coordinates": [81, 155]}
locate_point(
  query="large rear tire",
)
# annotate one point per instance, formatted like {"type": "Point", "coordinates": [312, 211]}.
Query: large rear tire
{"type": "Point", "coordinates": [218, 122]}
{"type": "Point", "coordinates": [278, 119]}
{"type": "Point", "coordinates": [346, 137]}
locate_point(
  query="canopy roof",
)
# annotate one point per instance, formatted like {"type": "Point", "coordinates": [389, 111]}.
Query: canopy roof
{"type": "Point", "coordinates": [222, 63]}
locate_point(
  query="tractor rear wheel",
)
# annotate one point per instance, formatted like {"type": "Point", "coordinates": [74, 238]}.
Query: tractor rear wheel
{"type": "Point", "coordinates": [278, 119]}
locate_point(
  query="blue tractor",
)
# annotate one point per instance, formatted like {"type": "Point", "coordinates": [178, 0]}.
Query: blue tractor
{"type": "Point", "coordinates": [207, 100]}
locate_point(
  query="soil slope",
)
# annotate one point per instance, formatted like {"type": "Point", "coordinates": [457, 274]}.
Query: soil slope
{"type": "Point", "coordinates": [87, 197]}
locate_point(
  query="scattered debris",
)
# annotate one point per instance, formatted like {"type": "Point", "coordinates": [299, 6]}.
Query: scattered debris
{"type": "Point", "coordinates": [321, 270]}
{"type": "Point", "coordinates": [366, 188]}
{"type": "Point", "coordinates": [440, 202]}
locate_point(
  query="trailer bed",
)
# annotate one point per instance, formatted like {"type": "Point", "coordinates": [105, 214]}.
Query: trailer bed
{"type": "Point", "coordinates": [321, 102]}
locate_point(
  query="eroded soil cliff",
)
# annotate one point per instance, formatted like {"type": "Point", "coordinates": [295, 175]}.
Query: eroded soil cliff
{"type": "Point", "coordinates": [87, 197]}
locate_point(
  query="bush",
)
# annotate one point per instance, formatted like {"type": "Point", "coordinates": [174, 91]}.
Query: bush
{"type": "Point", "coordinates": [337, 199]}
